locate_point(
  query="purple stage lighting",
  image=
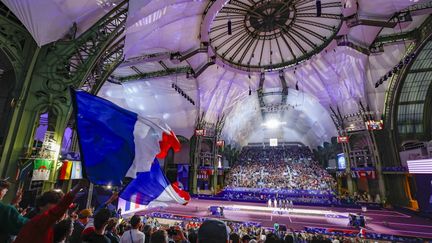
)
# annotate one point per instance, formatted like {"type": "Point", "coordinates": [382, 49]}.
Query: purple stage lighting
{"type": "Point", "coordinates": [422, 166]}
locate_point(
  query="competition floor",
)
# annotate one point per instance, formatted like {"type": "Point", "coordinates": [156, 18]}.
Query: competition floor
{"type": "Point", "coordinates": [379, 221]}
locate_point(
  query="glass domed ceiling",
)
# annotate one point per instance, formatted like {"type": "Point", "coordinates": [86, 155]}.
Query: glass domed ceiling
{"type": "Point", "coordinates": [272, 34]}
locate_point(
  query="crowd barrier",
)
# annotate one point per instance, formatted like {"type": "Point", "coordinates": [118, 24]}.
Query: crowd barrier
{"type": "Point", "coordinates": [355, 233]}
{"type": "Point", "coordinates": [197, 219]}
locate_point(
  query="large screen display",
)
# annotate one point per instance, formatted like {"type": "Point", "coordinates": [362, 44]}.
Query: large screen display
{"type": "Point", "coordinates": [341, 161]}
{"type": "Point", "coordinates": [374, 125]}
{"type": "Point", "coordinates": [273, 142]}
{"type": "Point", "coordinates": [420, 166]}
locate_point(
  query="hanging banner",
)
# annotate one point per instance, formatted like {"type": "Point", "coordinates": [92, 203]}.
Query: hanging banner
{"type": "Point", "coordinates": [76, 170]}
{"type": "Point", "coordinates": [183, 175]}
{"type": "Point", "coordinates": [200, 132]}
{"type": "Point", "coordinates": [42, 169]}
{"type": "Point", "coordinates": [65, 170]}
{"type": "Point", "coordinates": [363, 174]}
{"type": "Point", "coordinates": [70, 170]}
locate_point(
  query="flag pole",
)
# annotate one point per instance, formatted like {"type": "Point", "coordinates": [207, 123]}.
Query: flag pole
{"type": "Point", "coordinates": [89, 196]}
{"type": "Point", "coordinates": [75, 111]}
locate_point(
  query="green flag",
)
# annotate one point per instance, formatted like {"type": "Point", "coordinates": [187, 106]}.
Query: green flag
{"type": "Point", "coordinates": [41, 169]}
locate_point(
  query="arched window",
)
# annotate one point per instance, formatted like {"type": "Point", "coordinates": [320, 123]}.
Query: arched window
{"type": "Point", "coordinates": [411, 103]}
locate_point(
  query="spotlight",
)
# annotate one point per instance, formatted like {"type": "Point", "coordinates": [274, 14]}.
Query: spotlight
{"type": "Point", "coordinates": [376, 85]}
{"type": "Point", "coordinates": [250, 91]}
{"type": "Point", "coordinates": [272, 123]}
{"type": "Point", "coordinates": [229, 27]}
{"type": "Point", "coordinates": [297, 87]}
{"type": "Point", "coordinates": [318, 8]}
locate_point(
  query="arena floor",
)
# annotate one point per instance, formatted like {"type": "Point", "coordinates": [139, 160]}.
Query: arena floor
{"type": "Point", "coordinates": [379, 221]}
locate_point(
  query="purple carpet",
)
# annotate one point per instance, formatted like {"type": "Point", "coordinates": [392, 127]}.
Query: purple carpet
{"type": "Point", "coordinates": [379, 221]}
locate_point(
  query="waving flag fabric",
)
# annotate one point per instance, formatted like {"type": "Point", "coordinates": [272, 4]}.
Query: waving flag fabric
{"type": "Point", "coordinates": [117, 143]}
{"type": "Point", "coordinates": [153, 188]}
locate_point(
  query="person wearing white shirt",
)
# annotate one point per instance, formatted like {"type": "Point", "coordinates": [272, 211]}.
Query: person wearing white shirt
{"type": "Point", "coordinates": [134, 235]}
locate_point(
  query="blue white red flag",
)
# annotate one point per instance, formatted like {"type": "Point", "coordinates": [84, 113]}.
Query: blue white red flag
{"type": "Point", "coordinates": [117, 143]}
{"type": "Point", "coordinates": [153, 188]}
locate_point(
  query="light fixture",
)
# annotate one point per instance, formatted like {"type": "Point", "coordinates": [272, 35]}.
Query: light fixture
{"type": "Point", "coordinates": [318, 8]}
{"type": "Point", "coordinates": [405, 61]}
{"type": "Point", "coordinates": [273, 123]}
{"type": "Point", "coordinates": [182, 93]}
{"type": "Point", "coordinates": [229, 27]}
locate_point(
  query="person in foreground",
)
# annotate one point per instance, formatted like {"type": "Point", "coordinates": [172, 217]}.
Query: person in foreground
{"type": "Point", "coordinates": [11, 220]}
{"type": "Point", "coordinates": [133, 235]}
{"type": "Point", "coordinates": [79, 225]}
{"type": "Point", "coordinates": [53, 207]}
{"type": "Point", "coordinates": [213, 231]}
{"type": "Point", "coordinates": [97, 233]}
{"type": "Point", "coordinates": [63, 230]}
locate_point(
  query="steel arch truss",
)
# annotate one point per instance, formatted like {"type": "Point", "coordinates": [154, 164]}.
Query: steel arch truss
{"type": "Point", "coordinates": [282, 32]}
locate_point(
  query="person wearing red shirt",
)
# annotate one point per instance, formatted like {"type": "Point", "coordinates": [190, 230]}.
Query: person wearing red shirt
{"type": "Point", "coordinates": [40, 228]}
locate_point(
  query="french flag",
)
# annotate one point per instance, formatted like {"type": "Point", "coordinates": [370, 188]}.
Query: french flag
{"type": "Point", "coordinates": [152, 188]}
{"type": "Point", "coordinates": [116, 143]}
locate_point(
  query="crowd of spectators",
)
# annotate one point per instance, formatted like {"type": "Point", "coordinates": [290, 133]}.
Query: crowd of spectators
{"type": "Point", "coordinates": [56, 221]}
{"type": "Point", "coordinates": [277, 153]}
{"type": "Point", "coordinates": [359, 197]}
{"type": "Point", "coordinates": [288, 167]}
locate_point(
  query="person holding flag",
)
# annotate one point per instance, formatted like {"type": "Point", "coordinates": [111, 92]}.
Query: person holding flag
{"type": "Point", "coordinates": [54, 205]}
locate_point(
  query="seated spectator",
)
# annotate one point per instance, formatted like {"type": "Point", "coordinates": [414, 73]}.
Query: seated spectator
{"type": "Point", "coordinates": [279, 168]}
{"type": "Point", "coordinates": [134, 235]}
{"type": "Point", "coordinates": [213, 231]}
{"type": "Point", "coordinates": [53, 206]}
{"type": "Point", "coordinates": [62, 230]}
{"type": "Point", "coordinates": [11, 220]}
